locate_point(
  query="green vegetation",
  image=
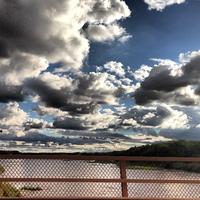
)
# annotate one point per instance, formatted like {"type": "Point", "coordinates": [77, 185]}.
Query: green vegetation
{"type": "Point", "coordinates": [6, 189]}
{"type": "Point", "coordinates": [166, 149]}
{"type": "Point", "coordinates": [31, 188]}
{"type": "Point", "coordinates": [1, 169]}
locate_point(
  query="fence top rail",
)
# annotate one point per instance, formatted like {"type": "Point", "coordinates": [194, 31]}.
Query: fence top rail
{"type": "Point", "coordinates": [100, 158]}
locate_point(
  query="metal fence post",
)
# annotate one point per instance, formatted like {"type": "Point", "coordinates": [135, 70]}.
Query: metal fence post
{"type": "Point", "coordinates": [123, 176]}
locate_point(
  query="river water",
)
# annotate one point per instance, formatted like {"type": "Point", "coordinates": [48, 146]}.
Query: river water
{"type": "Point", "coordinates": [84, 169]}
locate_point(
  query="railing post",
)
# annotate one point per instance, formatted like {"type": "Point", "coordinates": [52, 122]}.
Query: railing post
{"type": "Point", "coordinates": [123, 176]}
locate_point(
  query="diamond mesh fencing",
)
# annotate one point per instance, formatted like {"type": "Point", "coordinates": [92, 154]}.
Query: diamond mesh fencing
{"type": "Point", "coordinates": [159, 178]}
{"type": "Point", "coordinates": [58, 178]}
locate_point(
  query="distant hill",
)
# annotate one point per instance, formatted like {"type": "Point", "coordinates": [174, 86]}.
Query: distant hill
{"type": "Point", "coordinates": [165, 149]}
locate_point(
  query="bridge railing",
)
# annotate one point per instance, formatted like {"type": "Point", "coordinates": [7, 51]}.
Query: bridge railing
{"type": "Point", "coordinates": [46, 176]}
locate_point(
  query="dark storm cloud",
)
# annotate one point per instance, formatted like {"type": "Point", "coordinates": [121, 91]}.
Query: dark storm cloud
{"type": "Point", "coordinates": [70, 123]}
{"type": "Point", "coordinates": [161, 85]}
{"type": "Point", "coordinates": [143, 96]}
{"type": "Point", "coordinates": [51, 97]}
{"type": "Point", "coordinates": [22, 26]}
{"type": "Point", "coordinates": [61, 99]}
{"type": "Point", "coordinates": [11, 93]}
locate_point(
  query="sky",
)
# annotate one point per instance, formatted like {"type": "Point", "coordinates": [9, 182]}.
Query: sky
{"type": "Point", "coordinates": [113, 71]}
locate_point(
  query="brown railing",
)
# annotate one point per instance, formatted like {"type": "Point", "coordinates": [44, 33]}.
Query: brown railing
{"type": "Point", "coordinates": [99, 177]}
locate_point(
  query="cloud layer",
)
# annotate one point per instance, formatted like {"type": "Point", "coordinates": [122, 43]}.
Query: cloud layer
{"type": "Point", "coordinates": [67, 99]}
{"type": "Point", "coordinates": [66, 39]}
{"type": "Point", "coordinates": [175, 84]}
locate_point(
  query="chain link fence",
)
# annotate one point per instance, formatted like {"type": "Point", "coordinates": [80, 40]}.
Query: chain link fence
{"type": "Point", "coordinates": [101, 177]}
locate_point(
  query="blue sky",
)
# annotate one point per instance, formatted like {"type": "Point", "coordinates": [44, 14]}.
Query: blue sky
{"type": "Point", "coordinates": [116, 66]}
{"type": "Point", "coordinates": [156, 34]}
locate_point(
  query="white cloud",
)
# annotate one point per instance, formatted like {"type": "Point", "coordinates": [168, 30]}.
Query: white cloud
{"type": "Point", "coordinates": [156, 116]}
{"type": "Point", "coordinates": [35, 123]}
{"type": "Point", "coordinates": [104, 33]}
{"type": "Point", "coordinates": [117, 77]}
{"type": "Point", "coordinates": [21, 66]}
{"type": "Point", "coordinates": [55, 81]}
{"type": "Point", "coordinates": [125, 38]}
{"type": "Point", "coordinates": [12, 118]}
{"type": "Point", "coordinates": [164, 62]}
{"type": "Point", "coordinates": [141, 73]}
{"type": "Point", "coordinates": [186, 57]}
{"type": "Point", "coordinates": [176, 120]}
{"type": "Point", "coordinates": [149, 138]}
{"type": "Point", "coordinates": [63, 21]}
{"type": "Point", "coordinates": [107, 11]}
{"type": "Point", "coordinates": [55, 112]}
{"type": "Point", "coordinates": [174, 67]}
{"type": "Point", "coordinates": [115, 67]}
{"type": "Point", "coordinates": [159, 5]}
{"type": "Point", "coordinates": [92, 121]}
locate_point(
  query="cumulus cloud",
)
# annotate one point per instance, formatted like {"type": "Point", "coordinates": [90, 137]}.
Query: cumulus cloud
{"type": "Point", "coordinates": [108, 11]}
{"type": "Point", "coordinates": [176, 120]}
{"type": "Point", "coordinates": [155, 117]}
{"type": "Point", "coordinates": [61, 99]}
{"type": "Point", "coordinates": [95, 121]}
{"type": "Point", "coordinates": [186, 57]}
{"type": "Point", "coordinates": [159, 5]}
{"type": "Point", "coordinates": [75, 100]}
{"type": "Point", "coordinates": [12, 118]}
{"type": "Point", "coordinates": [176, 84]}
{"type": "Point", "coordinates": [82, 93]}
{"type": "Point", "coordinates": [26, 52]}
{"type": "Point", "coordinates": [49, 111]}
{"type": "Point", "coordinates": [34, 123]}
{"type": "Point", "coordinates": [149, 116]}
{"type": "Point", "coordinates": [141, 73]}
{"type": "Point", "coordinates": [115, 67]}
{"type": "Point", "coordinates": [103, 33]}
{"type": "Point", "coordinates": [15, 70]}
{"type": "Point", "coordinates": [63, 21]}
{"type": "Point", "coordinates": [56, 81]}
